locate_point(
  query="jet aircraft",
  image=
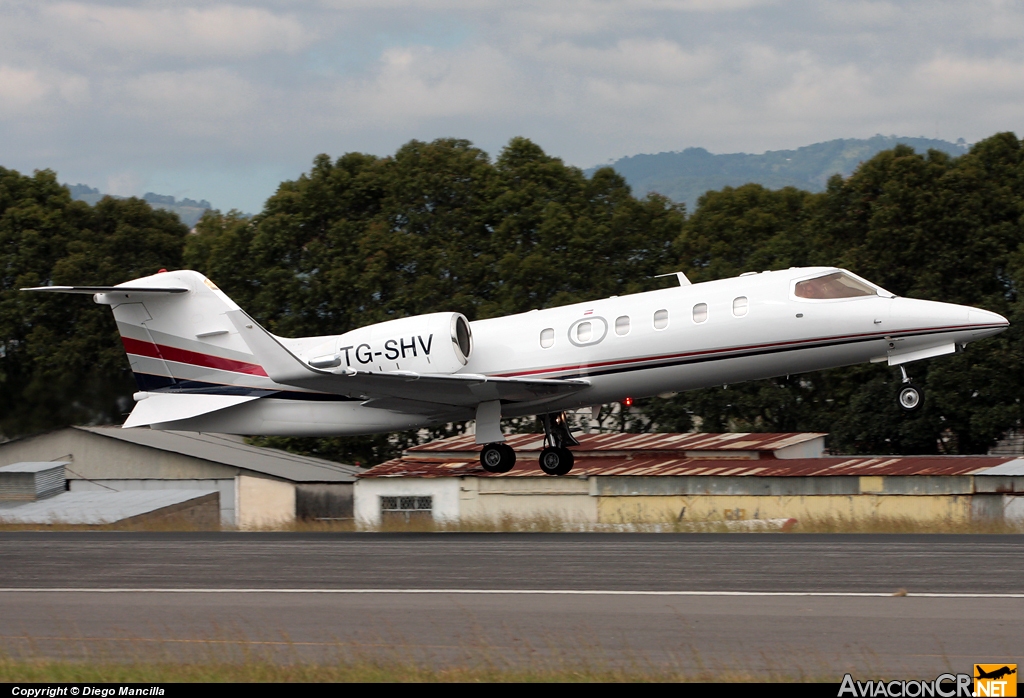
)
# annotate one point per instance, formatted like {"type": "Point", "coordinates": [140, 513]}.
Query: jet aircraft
{"type": "Point", "coordinates": [202, 364]}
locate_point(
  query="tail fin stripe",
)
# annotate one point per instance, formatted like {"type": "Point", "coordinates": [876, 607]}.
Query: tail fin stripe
{"type": "Point", "coordinates": [164, 352]}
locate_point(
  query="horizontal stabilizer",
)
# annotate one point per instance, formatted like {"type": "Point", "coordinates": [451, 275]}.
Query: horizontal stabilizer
{"type": "Point", "coordinates": [170, 407]}
{"type": "Point", "coordinates": [92, 290]}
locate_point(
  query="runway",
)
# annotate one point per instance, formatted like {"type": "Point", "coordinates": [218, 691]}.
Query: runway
{"type": "Point", "coordinates": [735, 603]}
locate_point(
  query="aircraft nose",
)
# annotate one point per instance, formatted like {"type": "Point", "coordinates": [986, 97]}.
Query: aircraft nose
{"type": "Point", "coordinates": [986, 323]}
{"type": "Point", "coordinates": [977, 316]}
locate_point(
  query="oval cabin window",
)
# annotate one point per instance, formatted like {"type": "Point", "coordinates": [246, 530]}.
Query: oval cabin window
{"type": "Point", "coordinates": [547, 338]}
{"type": "Point", "coordinates": [622, 325]}
{"type": "Point", "coordinates": [739, 306]}
{"type": "Point", "coordinates": [700, 312]}
{"type": "Point", "coordinates": [661, 319]}
{"type": "Point", "coordinates": [584, 332]}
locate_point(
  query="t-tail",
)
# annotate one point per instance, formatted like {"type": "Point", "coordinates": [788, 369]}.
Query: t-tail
{"type": "Point", "coordinates": [186, 356]}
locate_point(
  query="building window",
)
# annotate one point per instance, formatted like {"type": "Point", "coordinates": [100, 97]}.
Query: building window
{"type": "Point", "coordinates": [406, 508]}
{"type": "Point", "coordinates": [547, 338]}
{"type": "Point", "coordinates": [700, 312]}
{"type": "Point", "coordinates": [739, 306]}
{"type": "Point", "coordinates": [661, 319]}
{"type": "Point", "coordinates": [622, 325]}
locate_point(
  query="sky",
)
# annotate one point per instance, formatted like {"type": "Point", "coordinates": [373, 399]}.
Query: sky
{"type": "Point", "coordinates": [223, 101]}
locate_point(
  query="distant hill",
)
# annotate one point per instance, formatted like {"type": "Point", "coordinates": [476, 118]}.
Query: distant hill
{"type": "Point", "coordinates": [685, 176]}
{"type": "Point", "coordinates": [188, 210]}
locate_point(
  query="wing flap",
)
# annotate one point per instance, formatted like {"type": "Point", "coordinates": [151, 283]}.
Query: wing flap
{"type": "Point", "coordinates": [462, 390]}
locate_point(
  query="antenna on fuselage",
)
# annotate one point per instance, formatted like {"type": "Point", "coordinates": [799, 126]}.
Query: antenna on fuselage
{"type": "Point", "coordinates": [683, 281]}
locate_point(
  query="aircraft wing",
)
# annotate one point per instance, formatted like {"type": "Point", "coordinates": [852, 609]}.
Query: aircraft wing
{"type": "Point", "coordinates": [391, 389]}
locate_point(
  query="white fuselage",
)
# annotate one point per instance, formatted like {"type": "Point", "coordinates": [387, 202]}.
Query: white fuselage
{"type": "Point", "coordinates": [671, 340]}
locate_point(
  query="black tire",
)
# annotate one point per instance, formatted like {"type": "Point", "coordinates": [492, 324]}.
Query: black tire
{"type": "Point", "coordinates": [910, 397]}
{"type": "Point", "coordinates": [556, 461]}
{"type": "Point", "coordinates": [497, 458]}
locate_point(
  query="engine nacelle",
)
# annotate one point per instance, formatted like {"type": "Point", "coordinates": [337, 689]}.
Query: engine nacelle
{"type": "Point", "coordinates": [433, 343]}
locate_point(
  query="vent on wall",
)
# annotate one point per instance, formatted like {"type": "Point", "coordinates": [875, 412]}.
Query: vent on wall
{"type": "Point", "coordinates": [27, 482]}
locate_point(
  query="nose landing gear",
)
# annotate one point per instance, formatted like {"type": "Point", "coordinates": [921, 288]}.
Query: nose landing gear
{"type": "Point", "coordinates": [910, 396]}
{"type": "Point", "coordinates": [556, 459]}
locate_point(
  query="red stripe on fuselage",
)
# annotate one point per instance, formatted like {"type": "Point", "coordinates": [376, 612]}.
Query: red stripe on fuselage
{"type": "Point", "coordinates": [184, 356]}
{"type": "Point", "coordinates": [706, 352]}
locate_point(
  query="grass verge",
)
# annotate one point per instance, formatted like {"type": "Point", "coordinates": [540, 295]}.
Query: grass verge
{"type": "Point", "coordinates": [554, 524]}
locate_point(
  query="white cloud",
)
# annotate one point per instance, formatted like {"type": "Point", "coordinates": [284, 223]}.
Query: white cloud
{"type": "Point", "coordinates": [195, 103]}
{"type": "Point", "coordinates": [220, 30]}
{"type": "Point", "coordinates": [25, 92]}
{"type": "Point", "coordinates": [142, 86]}
{"type": "Point", "coordinates": [20, 88]}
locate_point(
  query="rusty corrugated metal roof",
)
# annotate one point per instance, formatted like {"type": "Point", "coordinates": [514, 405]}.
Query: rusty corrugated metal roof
{"type": "Point", "coordinates": [738, 441]}
{"type": "Point", "coordinates": [411, 466]}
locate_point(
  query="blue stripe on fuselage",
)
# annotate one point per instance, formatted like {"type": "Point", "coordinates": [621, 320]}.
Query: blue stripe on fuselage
{"type": "Point", "coordinates": [147, 382]}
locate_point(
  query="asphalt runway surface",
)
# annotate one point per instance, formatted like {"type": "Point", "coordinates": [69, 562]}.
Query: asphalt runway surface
{"type": "Point", "coordinates": [769, 605]}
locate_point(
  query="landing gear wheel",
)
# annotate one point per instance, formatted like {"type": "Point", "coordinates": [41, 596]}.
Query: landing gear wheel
{"type": "Point", "coordinates": [910, 397]}
{"type": "Point", "coordinates": [498, 458]}
{"type": "Point", "coordinates": [556, 461]}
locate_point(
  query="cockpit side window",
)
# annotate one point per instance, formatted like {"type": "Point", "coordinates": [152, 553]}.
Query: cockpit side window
{"type": "Point", "coordinates": [834, 285]}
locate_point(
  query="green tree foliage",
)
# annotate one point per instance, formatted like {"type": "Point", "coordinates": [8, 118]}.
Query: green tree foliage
{"type": "Point", "coordinates": [60, 359]}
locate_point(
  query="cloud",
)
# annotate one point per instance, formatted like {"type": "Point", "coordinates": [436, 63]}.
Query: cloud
{"type": "Point", "coordinates": [20, 88]}
{"type": "Point", "coordinates": [217, 31]}
{"type": "Point", "coordinates": [116, 86]}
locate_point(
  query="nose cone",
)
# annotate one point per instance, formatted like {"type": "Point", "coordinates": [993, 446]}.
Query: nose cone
{"type": "Point", "coordinates": [986, 322]}
{"type": "Point", "coordinates": [977, 316]}
{"type": "Point", "coordinates": [910, 313]}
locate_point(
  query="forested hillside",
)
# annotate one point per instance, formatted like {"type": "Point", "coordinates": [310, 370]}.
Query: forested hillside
{"type": "Point", "coordinates": [685, 175]}
{"type": "Point", "coordinates": [441, 226]}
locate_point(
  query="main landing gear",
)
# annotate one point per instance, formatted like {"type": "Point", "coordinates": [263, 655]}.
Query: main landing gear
{"type": "Point", "coordinates": [910, 396]}
{"type": "Point", "coordinates": [555, 459]}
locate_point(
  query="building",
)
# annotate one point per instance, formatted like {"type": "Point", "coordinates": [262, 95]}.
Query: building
{"type": "Point", "coordinates": [255, 486]}
{"type": "Point", "coordinates": [640, 478]}
{"type": "Point", "coordinates": [36, 493]}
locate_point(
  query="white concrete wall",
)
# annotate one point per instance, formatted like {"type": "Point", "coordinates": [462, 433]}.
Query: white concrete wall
{"type": "Point", "coordinates": [261, 502]}
{"type": "Point", "coordinates": [225, 487]}
{"type": "Point", "coordinates": [1013, 508]}
{"type": "Point", "coordinates": [368, 491]}
{"type": "Point", "coordinates": [528, 499]}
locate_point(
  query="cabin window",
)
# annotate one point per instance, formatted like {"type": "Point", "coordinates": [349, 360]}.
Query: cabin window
{"type": "Point", "coordinates": [584, 332]}
{"type": "Point", "coordinates": [739, 306]}
{"type": "Point", "coordinates": [547, 338]}
{"type": "Point", "coordinates": [834, 285]}
{"type": "Point", "coordinates": [700, 312]}
{"type": "Point", "coordinates": [661, 319]}
{"type": "Point", "coordinates": [622, 325]}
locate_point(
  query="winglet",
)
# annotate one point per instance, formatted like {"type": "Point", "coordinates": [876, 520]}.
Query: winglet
{"type": "Point", "coordinates": [281, 365]}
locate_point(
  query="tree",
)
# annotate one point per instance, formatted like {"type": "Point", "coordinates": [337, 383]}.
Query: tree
{"type": "Point", "coordinates": [61, 357]}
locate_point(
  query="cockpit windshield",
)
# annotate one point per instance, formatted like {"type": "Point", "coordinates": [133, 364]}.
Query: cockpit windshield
{"type": "Point", "coordinates": [834, 285]}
